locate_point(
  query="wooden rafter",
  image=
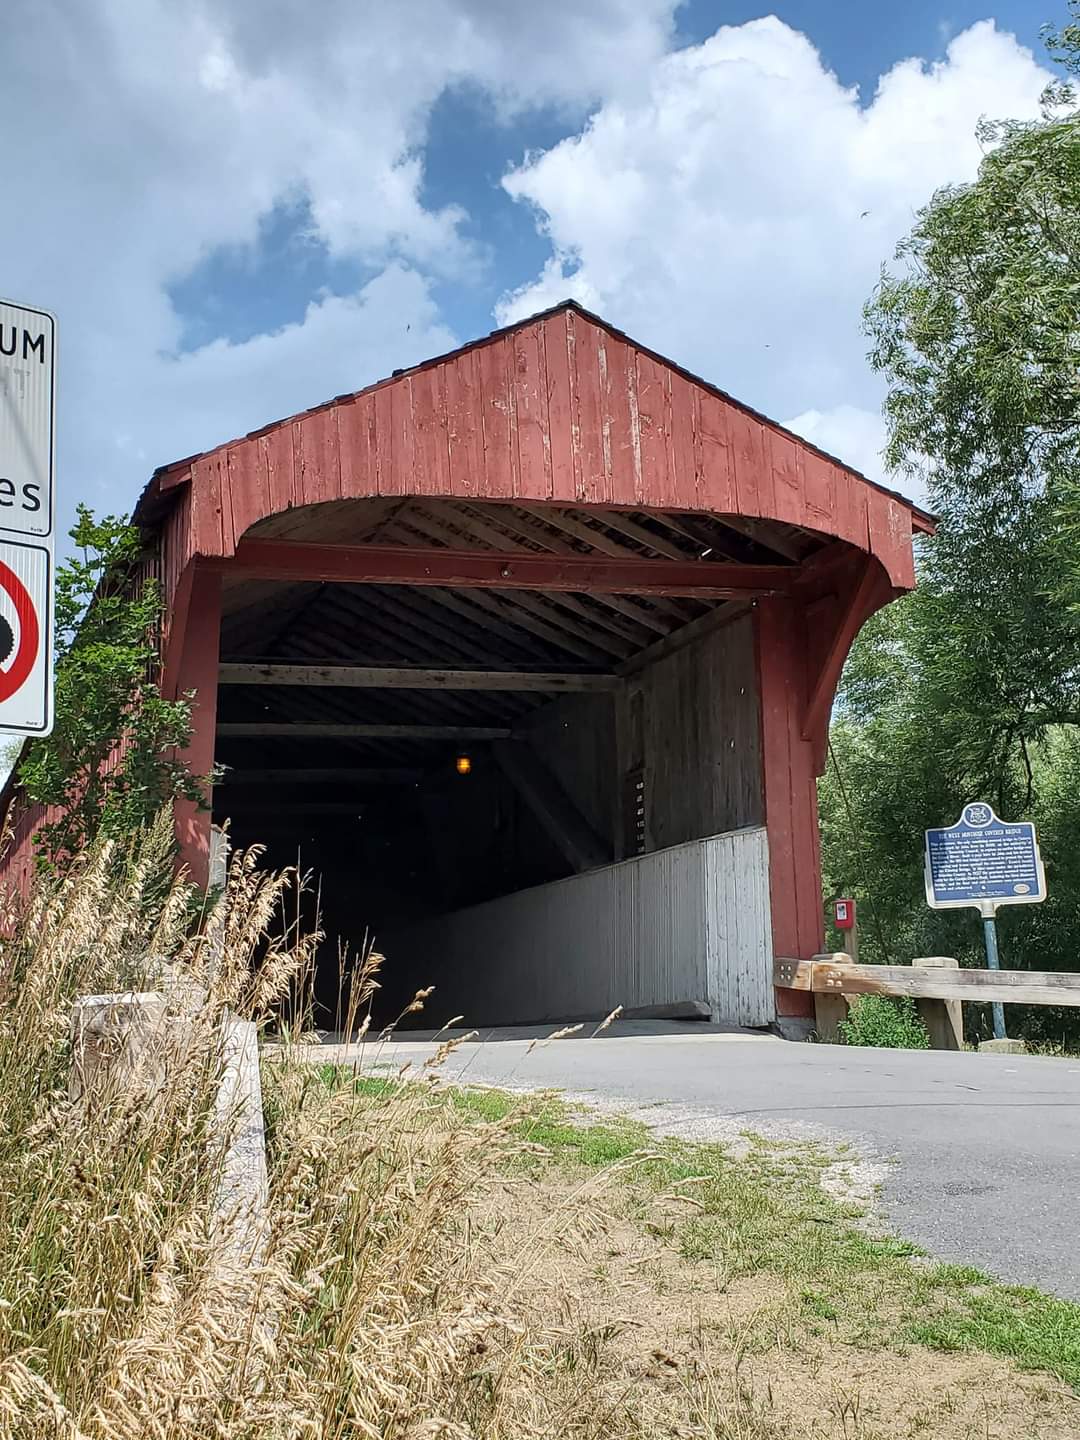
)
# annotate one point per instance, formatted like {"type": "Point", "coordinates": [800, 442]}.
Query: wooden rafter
{"type": "Point", "coordinates": [369, 677]}
{"type": "Point", "coordinates": [329, 730]}
{"type": "Point", "coordinates": [404, 565]}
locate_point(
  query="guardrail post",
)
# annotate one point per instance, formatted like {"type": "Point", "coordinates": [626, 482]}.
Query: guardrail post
{"type": "Point", "coordinates": [830, 1007]}
{"type": "Point", "coordinates": [944, 1019]}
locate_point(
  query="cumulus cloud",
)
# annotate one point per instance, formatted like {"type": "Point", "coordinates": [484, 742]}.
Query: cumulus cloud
{"type": "Point", "coordinates": [139, 136]}
{"type": "Point", "coordinates": [736, 213]}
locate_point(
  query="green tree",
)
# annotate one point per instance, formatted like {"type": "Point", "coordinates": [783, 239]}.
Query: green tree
{"type": "Point", "coordinates": [970, 687]}
{"type": "Point", "coordinates": [111, 761]}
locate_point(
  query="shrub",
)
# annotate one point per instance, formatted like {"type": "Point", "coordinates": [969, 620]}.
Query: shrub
{"type": "Point", "coordinates": [884, 1023]}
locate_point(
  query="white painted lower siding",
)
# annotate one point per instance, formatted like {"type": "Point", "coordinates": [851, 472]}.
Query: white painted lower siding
{"type": "Point", "coordinates": [688, 923]}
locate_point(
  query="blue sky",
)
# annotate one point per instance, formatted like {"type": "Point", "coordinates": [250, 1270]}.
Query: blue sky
{"type": "Point", "coordinates": [237, 212]}
{"type": "Point", "coordinates": [240, 292]}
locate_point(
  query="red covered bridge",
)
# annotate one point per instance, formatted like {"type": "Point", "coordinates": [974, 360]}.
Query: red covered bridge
{"type": "Point", "coordinates": [619, 598]}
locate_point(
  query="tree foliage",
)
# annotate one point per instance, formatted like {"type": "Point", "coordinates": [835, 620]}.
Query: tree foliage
{"type": "Point", "coordinates": [111, 761]}
{"type": "Point", "coordinates": [970, 687]}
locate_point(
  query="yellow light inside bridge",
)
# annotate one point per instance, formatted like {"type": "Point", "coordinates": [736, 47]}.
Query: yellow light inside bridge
{"type": "Point", "coordinates": [463, 765]}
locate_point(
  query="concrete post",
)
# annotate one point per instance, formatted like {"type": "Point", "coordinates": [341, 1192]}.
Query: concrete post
{"type": "Point", "coordinates": [117, 1047]}
{"type": "Point", "coordinates": [944, 1019]}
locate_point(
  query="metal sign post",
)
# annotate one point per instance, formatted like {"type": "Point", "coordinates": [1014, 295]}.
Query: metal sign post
{"type": "Point", "coordinates": [27, 507]}
{"type": "Point", "coordinates": [982, 862]}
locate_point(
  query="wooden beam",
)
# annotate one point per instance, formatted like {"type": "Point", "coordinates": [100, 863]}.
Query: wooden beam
{"type": "Point", "coordinates": [320, 731]}
{"type": "Point", "coordinates": [325, 775]}
{"type": "Point", "coordinates": [829, 975]}
{"type": "Point", "coordinates": [854, 608]}
{"type": "Point", "coordinates": [373, 677]}
{"type": "Point", "coordinates": [687, 634]}
{"type": "Point", "coordinates": [483, 569]}
{"type": "Point", "coordinates": [552, 806]}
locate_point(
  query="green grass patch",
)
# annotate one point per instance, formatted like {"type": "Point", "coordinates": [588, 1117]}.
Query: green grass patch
{"type": "Point", "coordinates": [763, 1211]}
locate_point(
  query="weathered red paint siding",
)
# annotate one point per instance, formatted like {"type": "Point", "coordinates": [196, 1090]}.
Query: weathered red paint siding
{"type": "Point", "coordinates": [562, 410]}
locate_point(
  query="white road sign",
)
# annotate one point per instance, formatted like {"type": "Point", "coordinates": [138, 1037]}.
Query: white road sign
{"type": "Point", "coordinates": [27, 389]}
{"type": "Point", "coordinates": [25, 638]}
{"type": "Point", "coordinates": [27, 502]}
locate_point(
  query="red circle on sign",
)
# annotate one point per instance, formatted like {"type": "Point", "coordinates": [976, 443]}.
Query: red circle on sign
{"type": "Point", "coordinates": [18, 672]}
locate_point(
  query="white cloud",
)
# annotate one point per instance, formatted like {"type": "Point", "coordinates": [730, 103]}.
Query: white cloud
{"type": "Point", "coordinates": [736, 214]}
{"type": "Point", "coordinates": [137, 136]}
{"type": "Point", "coordinates": [854, 435]}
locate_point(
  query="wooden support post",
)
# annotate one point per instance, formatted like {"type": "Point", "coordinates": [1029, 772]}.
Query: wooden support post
{"type": "Point", "coordinates": [198, 671]}
{"type": "Point", "coordinates": [830, 1007]}
{"type": "Point", "coordinates": [944, 1019]}
{"type": "Point", "coordinates": [790, 785]}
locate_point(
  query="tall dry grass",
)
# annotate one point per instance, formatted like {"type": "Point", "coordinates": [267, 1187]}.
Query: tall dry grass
{"type": "Point", "coordinates": [384, 1306]}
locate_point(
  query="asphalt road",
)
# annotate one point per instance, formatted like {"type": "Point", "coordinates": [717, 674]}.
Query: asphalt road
{"type": "Point", "coordinates": [985, 1148]}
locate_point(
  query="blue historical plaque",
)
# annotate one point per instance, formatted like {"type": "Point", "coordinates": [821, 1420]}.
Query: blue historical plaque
{"type": "Point", "coordinates": [983, 861]}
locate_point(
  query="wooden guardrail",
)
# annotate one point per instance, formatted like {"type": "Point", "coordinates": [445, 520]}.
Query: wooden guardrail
{"type": "Point", "coordinates": [936, 984]}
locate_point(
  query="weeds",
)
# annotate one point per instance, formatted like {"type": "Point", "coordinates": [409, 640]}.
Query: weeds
{"type": "Point", "coordinates": [457, 1264]}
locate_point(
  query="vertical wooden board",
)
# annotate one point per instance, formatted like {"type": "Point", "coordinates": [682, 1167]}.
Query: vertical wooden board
{"type": "Point", "coordinates": [278, 446]}
{"type": "Point", "coordinates": [497, 478]}
{"type": "Point", "coordinates": [391, 478]}
{"type": "Point", "coordinates": [321, 475]}
{"type": "Point", "coordinates": [684, 444]}
{"type": "Point", "coordinates": [464, 425]}
{"type": "Point", "coordinates": [654, 418]}
{"type": "Point", "coordinates": [207, 483]}
{"type": "Point", "coordinates": [356, 445]}
{"type": "Point", "coordinates": [890, 536]}
{"type": "Point", "coordinates": [810, 904]}
{"type": "Point", "coordinates": [753, 466]}
{"type": "Point", "coordinates": [622, 456]}
{"type": "Point", "coordinates": [431, 470]}
{"type": "Point", "coordinates": [716, 487]}
{"type": "Point", "coordinates": [557, 360]}
{"type": "Point", "coordinates": [401, 418]}
{"type": "Point", "coordinates": [529, 398]}
{"type": "Point", "coordinates": [244, 492]}
{"type": "Point", "coordinates": [587, 380]}
{"type": "Point", "coordinates": [785, 456]}
{"type": "Point", "coordinates": [850, 520]}
{"type": "Point", "coordinates": [818, 490]}
{"type": "Point", "coordinates": [774, 661]}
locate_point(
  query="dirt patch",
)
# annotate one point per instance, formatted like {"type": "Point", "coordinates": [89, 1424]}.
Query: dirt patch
{"type": "Point", "coordinates": [685, 1351]}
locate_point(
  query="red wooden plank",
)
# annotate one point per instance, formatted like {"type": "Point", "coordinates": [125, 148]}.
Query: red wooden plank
{"type": "Point", "coordinates": [207, 499]}
{"type": "Point", "coordinates": [246, 499]}
{"type": "Point", "coordinates": [521, 570]}
{"type": "Point", "coordinates": [391, 477]}
{"type": "Point", "coordinates": [890, 537]}
{"type": "Point", "coordinates": [653, 417]}
{"type": "Point", "coordinates": [622, 457]}
{"type": "Point", "coordinates": [716, 487]}
{"type": "Point", "coordinates": [322, 455]}
{"type": "Point", "coordinates": [773, 683]}
{"type": "Point", "coordinates": [463, 421]}
{"type": "Point", "coordinates": [557, 341]}
{"type": "Point", "coordinates": [404, 441]}
{"type": "Point", "coordinates": [685, 446]}
{"type": "Point", "coordinates": [753, 465]}
{"type": "Point", "coordinates": [498, 457]}
{"type": "Point", "coordinates": [784, 454]}
{"type": "Point", "coordinates": [818, 490]}
{"type": "Point", "coordinates": [430, 449]}
{"type": "Point", "coordinates": [593, 482]}
{"type": "Point", "coordinates": [356, 447]}
{"type": "Point", "coordinates": [849, 510]}
{"type": "Point", "coordinates": [278, 446]}
{"type": "Point", "coordinates": [532, 470]}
